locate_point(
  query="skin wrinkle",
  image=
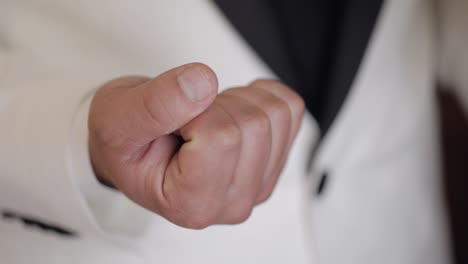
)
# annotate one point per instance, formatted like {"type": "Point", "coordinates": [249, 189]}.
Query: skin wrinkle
{"type": "Point", "coordinates": [137, 148]}
{"type": "Point", "coordinates": [175, 158]}
{"type": "Point", "coordinates": [147, 185]}
{"type": "Point", "coordinates": [272, 131]}
{"type": "Point", "coordinates": [189, 136]}
{"type": "Point", "coordinates": [152, 185]}
{"type": "Point", "coordinates": [138, 153]}
{"type": "Point", "coordinates": [235, 188]}
{"type": "Point", "coordinates": [231, 182]}
{"type": "Point", "coordinates": [260, 110]}
{"type": "Point", "coordinates": [273, 110]}
{"type": "Point", "coordinates": [149, 112]}
{"type": "Point", "coordinates": [292, 112]}
{"type": "Point", "coordinates": [240, 129]}
{"type": "Point", "coordinates": [292, 134]}
{"type": "Point", "coordinates": [122, 143]}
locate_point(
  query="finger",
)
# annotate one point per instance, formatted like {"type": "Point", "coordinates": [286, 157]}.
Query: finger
{"type": "Point", "coordinates": [296, 107]}
{"type": "Point", "coordinates": [134, 117]}
{"type": "Point", "coordinates": [198, 177]}
{"type": "Point", "coordinates": [280, 117]}
{"type": "Point", "coordinates": [254, 154]}
{"type": "Point", "coordinates": [294, 101]}
{"type": "Point", "coordinates": [141, 181]}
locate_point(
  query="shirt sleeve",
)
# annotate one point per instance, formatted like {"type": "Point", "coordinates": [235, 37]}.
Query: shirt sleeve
{"type": "Point", "coordinates": [45, 171]}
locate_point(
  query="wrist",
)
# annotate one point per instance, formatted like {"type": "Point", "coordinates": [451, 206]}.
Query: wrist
{"type": "Point", "coordinates": [99, 174]}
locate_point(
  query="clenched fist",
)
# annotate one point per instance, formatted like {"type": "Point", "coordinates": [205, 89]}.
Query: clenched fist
{"type": "Point", "coordinates": [177, 148]}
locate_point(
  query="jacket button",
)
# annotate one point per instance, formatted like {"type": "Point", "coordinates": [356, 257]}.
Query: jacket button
{"type": "Point", "coordinates": [322, 184]}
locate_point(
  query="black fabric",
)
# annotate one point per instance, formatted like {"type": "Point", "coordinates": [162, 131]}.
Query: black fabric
{"type": "Point", "coordinates": [315, 46]}
{"type": "Point", "coordinates": [454, 131]}
{"type": "Point", "coordinates": [256, 21]}
{"type": "Point", "coordinates": [322, 184]}
{"type": "Point", "coordinates": [39, 225]}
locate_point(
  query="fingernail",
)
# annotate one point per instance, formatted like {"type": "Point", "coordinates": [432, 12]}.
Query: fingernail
{"type": "Point", "coordinates": [194, 83]}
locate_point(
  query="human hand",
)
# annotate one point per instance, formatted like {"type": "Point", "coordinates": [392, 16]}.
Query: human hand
{"type": "Point", "coordinates": [233, 148]}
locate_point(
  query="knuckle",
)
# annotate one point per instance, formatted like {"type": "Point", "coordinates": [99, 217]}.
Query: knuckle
{"type": "Point", "coordinates": [196, 223]}
{"type": "Point", "coordinates": [226, 135]}
{"type": "Point", "coordinates": [189, 212]}
{"type": "Point", "coordinates": [290, 96]}
{"type": "Point", "coordinates": [193, 209]}
{"type": "Point", "coordinates": [270, 84]}
{"type": "Point", "coordinates": [241, 213]}
{"type": "Point", "coordinates": [293, 99]}
{"type": "Point", "coordinates": [279, 109]}
{"type": "Point", "coordinates": [297, 103]}
{"type": "Point", "coordinates": [264, 196]}
{"type": "Point", "coordinates": [198, 219]}
{"type": "Point", "coordinates": [257, 121]}
{"type": "Point", "coordinates": [263, 82]}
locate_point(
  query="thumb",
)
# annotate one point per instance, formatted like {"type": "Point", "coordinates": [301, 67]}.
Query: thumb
{"type": "Point", "coordinates": [150, 108]}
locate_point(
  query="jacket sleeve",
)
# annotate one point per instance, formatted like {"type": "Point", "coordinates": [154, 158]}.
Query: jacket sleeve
{"type": "Point", "coordinates": [45, 171]}
{"type": "Point", "coordinates": [453, 48]}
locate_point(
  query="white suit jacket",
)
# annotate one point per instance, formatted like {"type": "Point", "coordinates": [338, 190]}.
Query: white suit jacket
{"type": "Point", "coordinates": [383, 202]}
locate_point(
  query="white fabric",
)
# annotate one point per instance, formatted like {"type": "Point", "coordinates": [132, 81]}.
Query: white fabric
{"type": "Point", "coordinates": [384, 203]}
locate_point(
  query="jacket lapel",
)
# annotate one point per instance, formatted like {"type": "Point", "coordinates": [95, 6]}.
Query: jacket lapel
{"type": "Point", "coordinates": [356, 30]}
{"type": "Point", "coordinates": [256, 22]}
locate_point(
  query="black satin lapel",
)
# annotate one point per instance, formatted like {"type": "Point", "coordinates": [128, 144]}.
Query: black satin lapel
{"type": "Point", "coordinates": [358, 26]}
{"type": "Point", "coordinates": [259, 25]}
{"type": "Point", "coordinates": [254, 20]}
